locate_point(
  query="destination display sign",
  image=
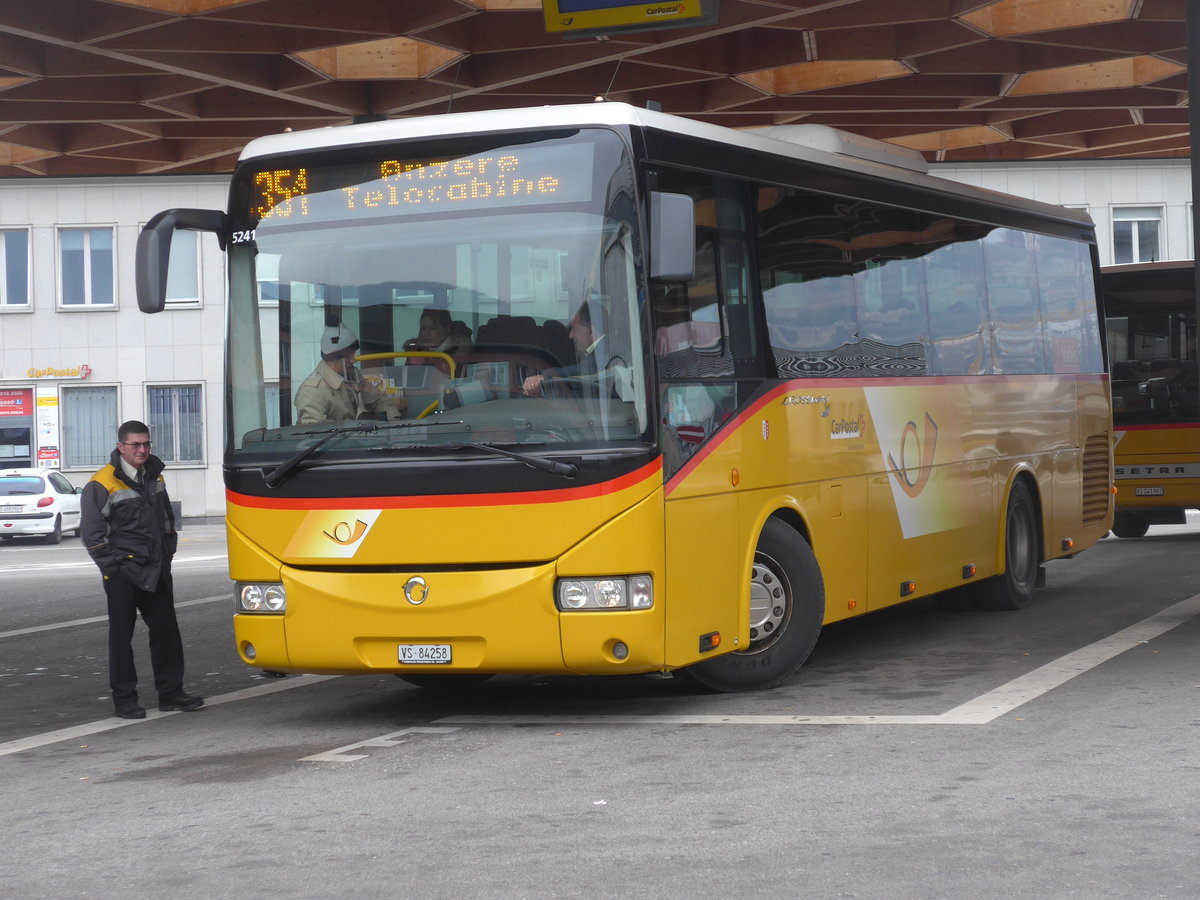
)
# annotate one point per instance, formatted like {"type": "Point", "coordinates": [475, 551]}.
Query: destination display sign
{"type": "Point", "coordinates": [510, 176]}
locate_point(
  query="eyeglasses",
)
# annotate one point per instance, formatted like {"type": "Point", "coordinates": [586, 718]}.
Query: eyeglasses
{"type": "Point", "coordinates": [137, 445]}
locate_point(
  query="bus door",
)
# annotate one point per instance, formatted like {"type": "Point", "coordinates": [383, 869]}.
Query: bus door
{"type": "Point", "coordinates": [704, 346]}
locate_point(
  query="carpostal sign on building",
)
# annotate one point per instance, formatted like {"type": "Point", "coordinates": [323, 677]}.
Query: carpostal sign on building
{"type": "Point", "coordinates": [81, 372]}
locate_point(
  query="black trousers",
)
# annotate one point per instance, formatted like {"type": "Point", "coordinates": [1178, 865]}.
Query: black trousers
{"type": "Point", "coordinates": [125, 601]}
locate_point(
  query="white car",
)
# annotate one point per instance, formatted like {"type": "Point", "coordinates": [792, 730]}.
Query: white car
{"type": "Point", "coordinates": [37, 501]}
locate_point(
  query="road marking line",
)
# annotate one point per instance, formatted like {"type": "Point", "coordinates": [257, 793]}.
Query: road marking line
{"type": "Point", "coordinates": [979, 711]}
{"type": "Point", "coordinates": [692, 720]}
{"type": "Point", "coordinates": [88, 564]}
{"type": "Point", "coordinates": [1019, 691]}
{"type": "Point", "coordinates": [92, 620]}
{"type": "Point", "coordinates": [78, 731]}
{"type": "Point", "coordinates": [342, 754]}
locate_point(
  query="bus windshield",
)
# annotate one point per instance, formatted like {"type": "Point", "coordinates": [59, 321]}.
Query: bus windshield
{"type": "Point", "coordinates": [1151, 319]}
{"type": "Point", "coordinates": [473, 290]}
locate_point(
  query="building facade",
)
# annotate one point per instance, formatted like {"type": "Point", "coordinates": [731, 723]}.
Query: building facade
{"type": "Point", "coordinates": [77, 357]}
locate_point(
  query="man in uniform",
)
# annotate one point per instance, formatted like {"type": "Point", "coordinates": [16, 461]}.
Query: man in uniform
{"type": "Point", "coordinates": [128, 527]}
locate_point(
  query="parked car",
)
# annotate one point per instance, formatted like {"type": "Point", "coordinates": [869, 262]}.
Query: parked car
{"type": "Point", "coordinates": [37, 501]}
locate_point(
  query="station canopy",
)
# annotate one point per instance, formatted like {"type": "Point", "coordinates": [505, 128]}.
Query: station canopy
{"type": "Point", "coordinates": [125, 87]}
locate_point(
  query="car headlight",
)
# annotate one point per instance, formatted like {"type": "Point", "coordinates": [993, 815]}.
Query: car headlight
{"type": "Point", "coordinates": [261, 597]}
{"type": "Point", "coordinates": [612, 592]}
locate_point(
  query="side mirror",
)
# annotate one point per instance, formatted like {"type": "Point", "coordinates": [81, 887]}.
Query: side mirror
{"type": "Point", "coordinates": [672, 237]}
{"type": "Point", "coordinates": [154, 250]}
{"type": "Point", "coordinates": [79, 490]}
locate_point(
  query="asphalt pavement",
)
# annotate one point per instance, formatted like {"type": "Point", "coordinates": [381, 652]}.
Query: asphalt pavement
{"type": "Point", "coordinates": [923, 753]}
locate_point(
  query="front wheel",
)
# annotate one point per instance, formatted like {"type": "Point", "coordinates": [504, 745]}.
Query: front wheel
{"type": "Point", "coordinates": [787, 608]}
{"type": "Point", "coordinates": [1013, 588]}
{"type": "Point", "coordinates": [1130, 525]}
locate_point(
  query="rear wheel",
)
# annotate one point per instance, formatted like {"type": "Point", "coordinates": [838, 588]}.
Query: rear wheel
{"type": "Point", "coordinates": [1130, 525]}
{"type": "Point", "coordinates": [1013, 588]}
{"type": "Point", "coordinates": [55, 536]}
{"type": "Point", "coordinates": [787, 607]}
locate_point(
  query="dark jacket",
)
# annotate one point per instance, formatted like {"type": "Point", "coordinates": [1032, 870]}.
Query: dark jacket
{"type": "Point", "coordinates": [129, 527]}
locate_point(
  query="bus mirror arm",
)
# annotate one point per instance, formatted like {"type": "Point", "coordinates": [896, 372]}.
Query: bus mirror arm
{"type": "Point", "coordinates": [672, 237]}
{"type": "Point", "coordinates": [154, 250]}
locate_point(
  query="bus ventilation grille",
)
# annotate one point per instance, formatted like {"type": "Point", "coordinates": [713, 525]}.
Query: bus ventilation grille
{"type": "Point", "coordinates": [1097, 479]}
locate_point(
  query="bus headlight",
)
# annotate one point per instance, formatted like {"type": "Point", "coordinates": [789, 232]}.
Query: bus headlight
{"type": "Point", "coordinates": [261, 597]}
{"type": "Point", "coordinates": [614, 592]}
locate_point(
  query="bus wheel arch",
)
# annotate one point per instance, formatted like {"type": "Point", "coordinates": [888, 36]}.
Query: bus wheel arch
{"type": "Point", "coordinates": [787, 609]}
{"type": "Point", "coordinates": [1021, 536]}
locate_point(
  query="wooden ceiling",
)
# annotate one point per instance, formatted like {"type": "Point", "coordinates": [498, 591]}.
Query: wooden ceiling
{"type": "Point", "coordinates": [113, 87]}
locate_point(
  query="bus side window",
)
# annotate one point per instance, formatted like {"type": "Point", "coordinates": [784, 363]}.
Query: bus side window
{"type": "Point", "coordinates": [807, 278]}
{"type": "Point", "coordinates": [1065, 297]}
{"type": "Point", "coordinates": [954, 278]}
{"type": "Point", "coordinates": [692, 320]}
{"type": "Point", "coordinates": [1012, 301]}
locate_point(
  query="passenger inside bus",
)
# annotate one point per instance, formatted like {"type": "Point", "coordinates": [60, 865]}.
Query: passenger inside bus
{"type": "Point", "coordinates": [439, 334]}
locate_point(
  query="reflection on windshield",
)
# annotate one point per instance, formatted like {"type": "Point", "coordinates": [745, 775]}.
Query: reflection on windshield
{"type": "Point", "coordinates": [501, 326]}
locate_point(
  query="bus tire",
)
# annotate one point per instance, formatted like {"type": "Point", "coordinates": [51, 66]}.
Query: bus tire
{"type": "Point", "coordinates": [787, 608]}
{"type": "Point", "coordinates": [1013, 588]}
{"type": "Point", "coordinates": [1130, 525]}
{"type": "Point", "coordinates": [451, 681]}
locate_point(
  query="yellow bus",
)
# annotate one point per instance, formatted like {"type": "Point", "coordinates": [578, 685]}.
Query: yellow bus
{"type": "Point", "coordinates": [1150, 313]}
{"type": "Point", "coordinates": [634, 394]}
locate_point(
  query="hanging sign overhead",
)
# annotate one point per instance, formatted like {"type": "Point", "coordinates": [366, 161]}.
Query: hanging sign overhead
{"type": "Point", "coordinates": [594, 18]}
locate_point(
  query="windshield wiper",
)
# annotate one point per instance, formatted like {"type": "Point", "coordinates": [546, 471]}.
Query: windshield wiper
{"type": "Point", "coordinates": [553, 466]}
{"type": "Point", "coordinates": [281, 471]}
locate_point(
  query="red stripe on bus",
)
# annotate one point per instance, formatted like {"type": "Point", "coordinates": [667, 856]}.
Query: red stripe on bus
{"type": "Point", "coordinates": [821, 384]}
{"type": "Point", "coordinates": [721, 435]}
{"type": "Point", "coordinates": [645, 473]}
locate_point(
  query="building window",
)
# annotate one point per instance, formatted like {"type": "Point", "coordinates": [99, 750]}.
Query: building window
{"type": "Point", "coordinates": [14, 268]}
{"type": "Point", "coordinates": [89, 424]}
{"type": "Point", "coordinates": [1137, 234]}
{"type": "Point", "coordinates": [87, 266]}
{"type": "Point", "coordinates": [177, 423]}
{"type": "Point", "coordinates": [266, 268]}
{"type": "Point", "coordinates": [271, 394]}
{"type": "Point", "coordinates": [183, 271]}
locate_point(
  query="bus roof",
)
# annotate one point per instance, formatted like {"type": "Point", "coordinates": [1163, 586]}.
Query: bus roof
{"type": "Point", "coordinates": [819, 145]}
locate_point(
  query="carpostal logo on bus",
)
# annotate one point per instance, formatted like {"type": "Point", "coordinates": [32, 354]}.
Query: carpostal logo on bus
{"type": "Point", "coordinates": [841, 429]}
{"type": "Point", "coordinates": [666, 9]}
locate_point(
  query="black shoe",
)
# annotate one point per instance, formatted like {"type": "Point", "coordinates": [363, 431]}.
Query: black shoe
{"type": "Point", "coordinates": [181, 701]}
{"type": "Point", "coordinates": [130, 711]}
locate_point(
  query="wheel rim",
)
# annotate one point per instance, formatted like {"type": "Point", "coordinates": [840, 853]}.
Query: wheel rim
{"type": "Point", "coordinates": [770, 603]}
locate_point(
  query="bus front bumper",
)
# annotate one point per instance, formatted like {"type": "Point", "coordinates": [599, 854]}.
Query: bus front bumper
{"type": "Point", "coordinates": [496, 621]}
